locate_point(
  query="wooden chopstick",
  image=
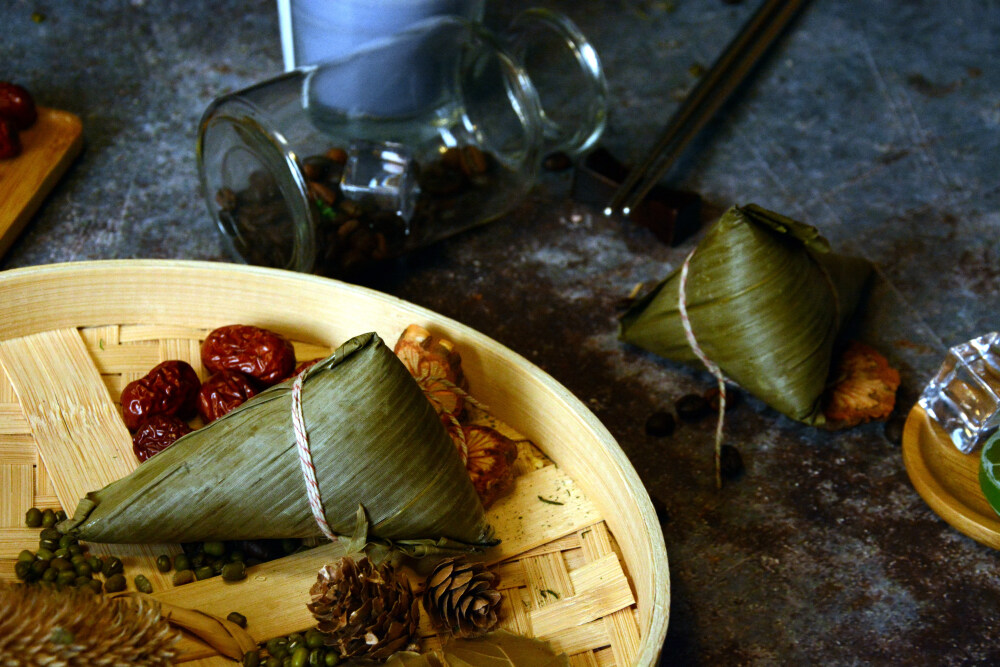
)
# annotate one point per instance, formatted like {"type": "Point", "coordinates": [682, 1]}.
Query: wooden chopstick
{"type": "Point", "coordinates": [712, 91]}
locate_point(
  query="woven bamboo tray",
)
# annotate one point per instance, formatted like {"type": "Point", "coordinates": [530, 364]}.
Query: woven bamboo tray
{"type": "Point", "coordinates": [587, 572]}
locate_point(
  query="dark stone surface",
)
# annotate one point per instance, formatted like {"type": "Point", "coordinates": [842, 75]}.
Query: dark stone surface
{"type": "Point", "coordinates": [877, 122]}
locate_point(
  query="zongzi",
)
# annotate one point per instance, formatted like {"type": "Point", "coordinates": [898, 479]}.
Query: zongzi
{"type": "Point", "coordinates": [375, 441]}
{"type": "Point", "coordinates": [766, 300]}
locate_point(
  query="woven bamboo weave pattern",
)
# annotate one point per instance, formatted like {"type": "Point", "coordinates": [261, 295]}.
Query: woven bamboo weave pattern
{"type": "Point", "coordinates": [561, 574]}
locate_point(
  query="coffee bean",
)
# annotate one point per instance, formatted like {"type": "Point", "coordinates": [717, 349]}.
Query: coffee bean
{"type": "Point", "coordinates": [473, 161]}
{"type": "Point", "coordinates": [226, 199]}
{"type": "Point", "coordinates": [730, 463]}
{"type": "Point", "coordinates": [660, 424]}
{"type": "Point", "coordinates": [322, 192]}
{"type": "Point", "coordinates": [338, 155]}
{"type": "Point", "coordinates": [316, 167]}
{"type": "Point", "coordinates": [692, 407]}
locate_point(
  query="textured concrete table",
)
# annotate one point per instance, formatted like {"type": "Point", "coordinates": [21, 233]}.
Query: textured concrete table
{"type": "Point", "coordinates": [877, 122]}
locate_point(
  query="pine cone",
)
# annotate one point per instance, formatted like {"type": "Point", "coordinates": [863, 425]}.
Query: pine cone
{"type": "Point", "coordinates": [40, 626]}
{"type": "Point", "coordinates": [365, 611]}
{"type": "Point", "coordinates": [461, 597]}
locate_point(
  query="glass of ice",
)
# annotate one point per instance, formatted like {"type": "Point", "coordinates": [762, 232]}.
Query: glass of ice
{"type": "Point", "coordinates": [964, 396]}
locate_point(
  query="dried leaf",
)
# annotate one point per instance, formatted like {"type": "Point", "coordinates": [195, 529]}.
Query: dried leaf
{"type": "Point", "coordinates": [496, 649]}
{"type": "Point", "coordinates": [501, 649]}
{"type": "Point", "coordinates": [411, 659]}
{"type": "Point", "coordinates": [221, 634]}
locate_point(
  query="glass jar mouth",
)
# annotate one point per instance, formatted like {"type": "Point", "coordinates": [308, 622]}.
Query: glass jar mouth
{"type": "Point", "coordinates": [255, 190]}
{"type": "Point", "coordinates": [566, 74]}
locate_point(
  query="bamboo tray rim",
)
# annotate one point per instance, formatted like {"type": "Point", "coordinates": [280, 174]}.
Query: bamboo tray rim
{"type": "Point", "coordinates": [19, 286]}
{"type": "Point", "coordinates": [947, 479]}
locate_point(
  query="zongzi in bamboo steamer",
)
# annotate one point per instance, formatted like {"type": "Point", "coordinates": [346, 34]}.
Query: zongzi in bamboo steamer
{"type": "Point", "coordinates": [375, 441]}
{"type": "Point", "coordinates": [766, 300]}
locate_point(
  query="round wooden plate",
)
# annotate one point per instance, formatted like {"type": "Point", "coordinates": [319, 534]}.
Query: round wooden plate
{"type": "Point", "coordinates": [947, 479]}
{"type": "Point", "coordinates": [172, 297]}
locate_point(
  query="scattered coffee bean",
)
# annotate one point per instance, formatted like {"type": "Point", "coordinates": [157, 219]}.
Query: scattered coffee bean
{"type": "Point", "coordinates": [692, 407]}
{"type": "Point", "coordinates": [660, 424]}
{"type": "Point", "coordinates": [730, 463]}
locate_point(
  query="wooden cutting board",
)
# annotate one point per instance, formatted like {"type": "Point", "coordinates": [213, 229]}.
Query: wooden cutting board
{"type": "Point", "coordinates": [49, 146]}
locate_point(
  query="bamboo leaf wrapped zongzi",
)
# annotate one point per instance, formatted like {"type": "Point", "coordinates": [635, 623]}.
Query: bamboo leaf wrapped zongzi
{"type": "Point", "coordinates": [375, 441]}
{"type": "Point", "coordinates": [766, 300]}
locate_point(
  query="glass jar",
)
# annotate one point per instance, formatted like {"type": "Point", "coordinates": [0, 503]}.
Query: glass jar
{"type": "Point", "coordinates": [413, 138]}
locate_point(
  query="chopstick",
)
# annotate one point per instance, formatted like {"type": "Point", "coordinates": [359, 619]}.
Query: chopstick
{"type": "Point", "coordinates": [721, 80]}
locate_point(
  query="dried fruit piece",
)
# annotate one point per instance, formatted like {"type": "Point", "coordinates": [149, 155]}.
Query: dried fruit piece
{"type": "Point", "coordinates": [491, 461]}
{"type": "Point", "coordinates": [863, 389]}
{"type": "Point", "coordinates": [461, 597]}
{"type": "Point", "coordinates": [10, 143]}
{"type": "Point", "coordinates": [170, 388]}
{"type": "Point", "coordinates": [437, 367]}
{"type": "Point", "coordinates": [17, 105]}
{"type": "Point", "coordinates": [265, 355]}
{"type": "Point", "coordinates": [222, 392]}
{"type": "Point", "coordinates": [156, 434]}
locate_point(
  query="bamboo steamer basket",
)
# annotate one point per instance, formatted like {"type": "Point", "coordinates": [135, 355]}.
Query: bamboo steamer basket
{"type": "Point", "coordinates": [591, 576]}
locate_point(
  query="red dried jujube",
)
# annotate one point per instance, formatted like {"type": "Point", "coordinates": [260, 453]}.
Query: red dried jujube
{"type": "Point", "coordinates": [267, 356]}
{"type": "Point", "coordinates": [170, 388]}
{"type": "Point", "coordinates": [156, 434]}
{"type": "Point", "coordinates": [17, 105]}
{"type": "Point", "coordinates": [222, 392]}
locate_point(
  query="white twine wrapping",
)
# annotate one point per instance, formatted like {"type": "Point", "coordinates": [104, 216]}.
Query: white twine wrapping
{"type": "Point", "coordinates": [305, 459]}
{"type": "Point", "coordinates": [712, 367]}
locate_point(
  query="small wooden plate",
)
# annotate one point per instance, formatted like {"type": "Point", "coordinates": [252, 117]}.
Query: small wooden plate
{"type": "Point", "coordinates": [49, 146]}
{"type": "Point", "coordinates": [947, 479]}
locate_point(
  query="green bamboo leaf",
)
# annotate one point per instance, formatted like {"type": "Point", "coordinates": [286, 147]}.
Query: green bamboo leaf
{"type": "Point", "coordinates": [375, 440]}
{"type": "Point", "coordinates": [766, 301]}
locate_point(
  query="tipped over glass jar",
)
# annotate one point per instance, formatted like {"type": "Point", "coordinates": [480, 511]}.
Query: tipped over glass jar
{"type": "Point", "coordinates": [330, 168]}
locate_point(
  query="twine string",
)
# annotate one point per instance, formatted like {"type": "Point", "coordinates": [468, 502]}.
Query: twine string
{"type": "Point", "coordinates": [305, 460]}
{"type": "Point", "coordinates": [712, 367]}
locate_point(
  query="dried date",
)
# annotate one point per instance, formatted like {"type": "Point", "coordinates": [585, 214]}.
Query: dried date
{"type": "Point", "coordinates": [10, 142]}
{"type": "Point", "coordinates": [17, 105]}
{"type": "Point", "coordinates": [264, 355]}
{"type": "Point", "coordinates": [156, 434]}
{"type": "Point", "coordinates": [170, 389]}
{"type": "Point", "coordinates": [222, 392]}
